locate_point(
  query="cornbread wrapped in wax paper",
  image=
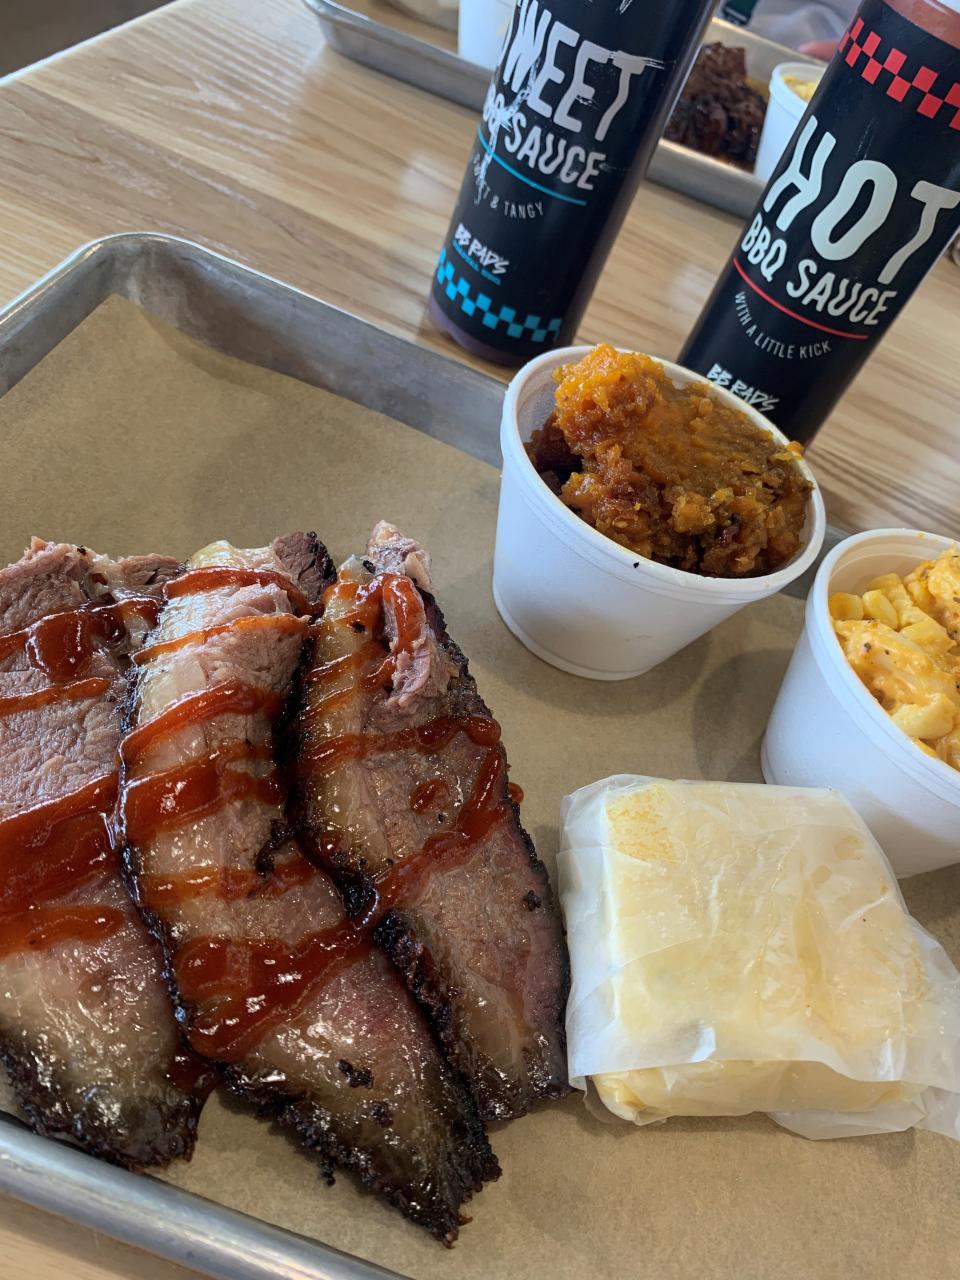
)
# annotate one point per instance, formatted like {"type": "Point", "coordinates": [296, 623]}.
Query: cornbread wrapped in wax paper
{"type": "Point", "coordinates": [740, 948]}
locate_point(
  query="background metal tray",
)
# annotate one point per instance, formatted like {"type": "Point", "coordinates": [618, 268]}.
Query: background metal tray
{"type": "Point", "coordinates": [251, 316]}
{"type": "Point", "coordinates": [382, 37]}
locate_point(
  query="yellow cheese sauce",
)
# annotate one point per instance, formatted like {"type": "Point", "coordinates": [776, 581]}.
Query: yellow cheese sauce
{"type": "Point", "coordinates": [902, 638]}
{"type": "Point", "coordinates": [804, 89]}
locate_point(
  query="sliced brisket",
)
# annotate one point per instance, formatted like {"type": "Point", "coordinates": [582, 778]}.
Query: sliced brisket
{"type": "Point", "coordinates": [86, 1028]}
{"type": "Point", "coordinates": [306, 1016]}
{"type": "Point", "coordinates": [402, 794]}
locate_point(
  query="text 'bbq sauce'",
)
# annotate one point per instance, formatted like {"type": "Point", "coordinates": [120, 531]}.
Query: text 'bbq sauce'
{"type": "Point", "coordinates": [571, 118]}
{"type": "Point", "coordinates": [865, 199]}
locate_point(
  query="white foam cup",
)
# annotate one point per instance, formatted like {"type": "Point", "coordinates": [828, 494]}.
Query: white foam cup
{"type": "Point", "coordinates": [784, 109]}
{"type": "Point", "coordinates": [827, 729]}
{"type": "Point", "coordinates": [481, 27]}
{"type": "Point", "coordinates": [579, 600]}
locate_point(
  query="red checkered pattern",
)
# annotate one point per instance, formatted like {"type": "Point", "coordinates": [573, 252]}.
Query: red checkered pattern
{"type": "Point", "coordinates": [924, 80]}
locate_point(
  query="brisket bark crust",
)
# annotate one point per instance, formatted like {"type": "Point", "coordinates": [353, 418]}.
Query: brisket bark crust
{"type": "Point", "coordinates": [307, 1019]}
{"type": "Point", "coordinates": [402, 794]}
{"type": "Point", "coordinates": [87, 1033]}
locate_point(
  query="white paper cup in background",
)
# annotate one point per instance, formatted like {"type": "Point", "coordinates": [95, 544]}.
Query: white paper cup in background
{"type": "Point", "coordinates": [481, 27]}
{"type": "Point", "coordinates": [440, 13]}
{"type": "Point", "coordinates": [827, 729]}
{"type": "Point", "coordinates": [784, 110]}
{"type": "Point", "coordinates": [579, 600]}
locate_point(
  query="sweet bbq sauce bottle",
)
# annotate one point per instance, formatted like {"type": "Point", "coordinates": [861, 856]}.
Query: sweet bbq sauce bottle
{"type": "Point", "coordinates": [865, 199]}
{"type": "Point", "coordinates": [572, 115]}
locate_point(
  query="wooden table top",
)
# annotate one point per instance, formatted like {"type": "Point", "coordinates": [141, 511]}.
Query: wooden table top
{"type": "Point", "coordinates": [230, 123]}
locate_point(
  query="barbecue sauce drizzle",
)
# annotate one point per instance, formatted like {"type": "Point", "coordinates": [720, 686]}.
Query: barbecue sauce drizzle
{"type": "Point", "coordinates": [431, 794]}
{"type": "Point", "coordinates": [197, 788]}
{"type": "Point", "coordinates": [242, 990]}
{"type": "Point", "coordinates": [62, 844]}
{"type": "Point", "coordinates": [227, 883]}
{"type": "Point", "coordinates": [251, 986]}
{"type": "Point", "coordinates": [62, 644]}
{"type": "Point", "coordinates": [229, 697]}
{"type": "Point", "coordinates": [52, 849]}
{"type": "Point", "coordinates": [486, 805]}
{"type": "Point", "coordinates": [47, 850]}
{"type": "Point", "coordinates": [280, 622]}
{"type": "Point", "coordinates": [215, 577]}
{"type": "Point", "coordinates": [73, 691]}
{"type": "Point", "coordinates": [247, 987]}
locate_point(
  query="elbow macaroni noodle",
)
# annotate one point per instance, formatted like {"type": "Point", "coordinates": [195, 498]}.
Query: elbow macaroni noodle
{"type": "Point", "coordinates": [902, 638]}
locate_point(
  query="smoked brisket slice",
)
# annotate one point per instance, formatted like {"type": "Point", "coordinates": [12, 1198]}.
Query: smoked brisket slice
{"type": "Point", "coordinates": [305, 1016]}
{"type": "Point", "coordinates": [402, 794]}
{"type": "Point", "coordinates": [87, 1033]}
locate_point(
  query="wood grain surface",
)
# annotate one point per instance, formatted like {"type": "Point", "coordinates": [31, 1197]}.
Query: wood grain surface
{"type": "Point", "coordinates": [229, 122]}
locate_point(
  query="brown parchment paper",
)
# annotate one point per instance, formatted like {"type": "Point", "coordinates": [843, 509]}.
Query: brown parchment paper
{"type": "Point", "coordinates": [131, 438]}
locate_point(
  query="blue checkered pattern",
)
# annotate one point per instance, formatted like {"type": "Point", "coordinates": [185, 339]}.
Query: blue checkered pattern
{"type": "Point", "coordinates": [457, 288]}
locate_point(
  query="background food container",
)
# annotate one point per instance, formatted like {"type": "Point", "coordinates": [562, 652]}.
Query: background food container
{"type": "Point", "coordinates": [784, 110]}
{"type": "Point", "coordinates": [582, 602]}
{"type": "Point", "coordinates": [481, 26]}
{"type": "Point", "coordinates": [441, 13]}
{"type": "Point", "coordinates": [827, 729]}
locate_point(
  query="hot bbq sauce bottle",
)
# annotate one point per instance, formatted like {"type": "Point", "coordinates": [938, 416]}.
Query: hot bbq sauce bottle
{"type": "Point", "coordinates": [572, 115]}
{"type": "Point", "coordinates": [863, 202]}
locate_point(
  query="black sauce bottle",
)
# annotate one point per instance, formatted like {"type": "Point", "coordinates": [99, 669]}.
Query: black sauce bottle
{"type": "Point", "coordinates": [860, 207]}
{"type": "Point", "coordinates": [572, 115]}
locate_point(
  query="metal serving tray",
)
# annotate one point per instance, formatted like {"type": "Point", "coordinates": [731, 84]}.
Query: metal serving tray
{"type": "Point", "coordinates": [248, 315]}
{"type": "Point", "coordinates": [382, 37]}
{"type": "Point", "coordinates": [251, 316]}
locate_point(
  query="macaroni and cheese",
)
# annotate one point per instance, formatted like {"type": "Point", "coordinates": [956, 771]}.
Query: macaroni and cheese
{"type": "Point", "coordinates": [902, 638]}
{"type": "Point", "coordinates": [804, 89]}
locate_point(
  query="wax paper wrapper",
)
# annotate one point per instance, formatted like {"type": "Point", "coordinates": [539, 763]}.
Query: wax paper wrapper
{"type": "Point", "coordinates": [740, 948]}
